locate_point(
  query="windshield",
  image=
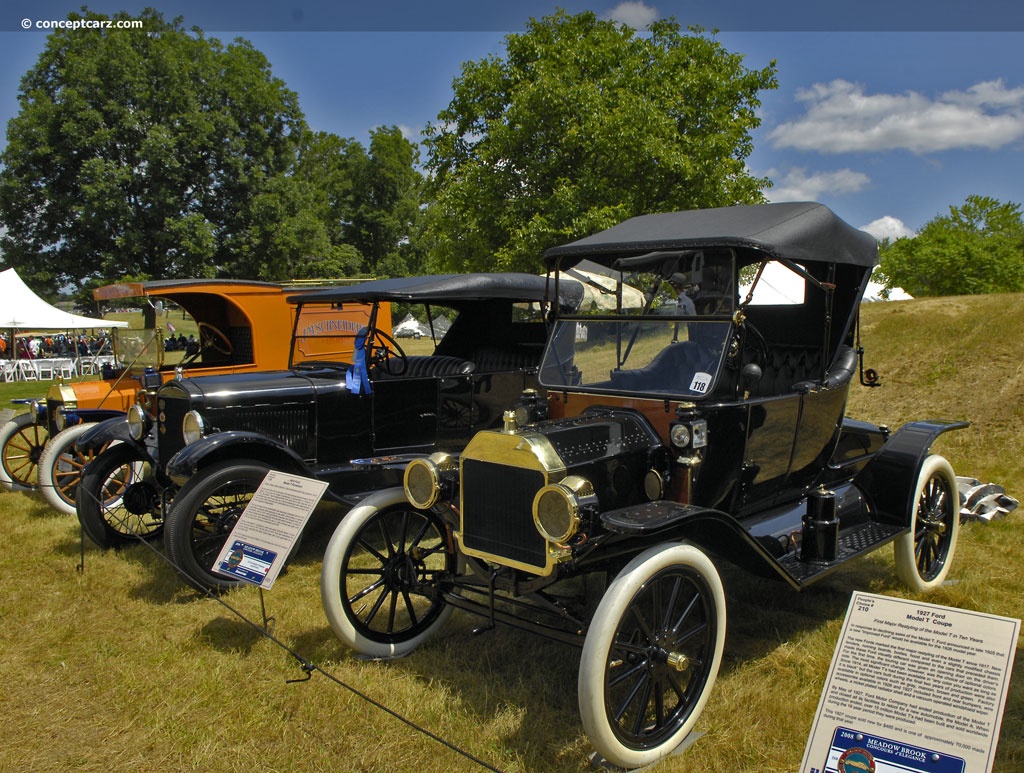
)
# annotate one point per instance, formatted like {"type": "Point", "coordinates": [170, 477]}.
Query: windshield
{"type": "Point", "coordinates": [135, 348]}
{"type": "Point", "coordinates": [646, 356]}
{"type": "Point", "coordinates": [655, 324]}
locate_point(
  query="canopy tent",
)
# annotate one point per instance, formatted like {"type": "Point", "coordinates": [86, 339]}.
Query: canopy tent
{"type": "Point", "coordinates": [22, 309]}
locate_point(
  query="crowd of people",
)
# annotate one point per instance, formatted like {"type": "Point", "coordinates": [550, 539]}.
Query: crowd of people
{"type": "Point", "coordinates": [33, 347]}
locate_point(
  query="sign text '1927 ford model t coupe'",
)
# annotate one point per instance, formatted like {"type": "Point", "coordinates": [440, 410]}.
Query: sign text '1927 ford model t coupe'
{"type": "Point", "coordinates": [699, 427]}
{"type": "Point", "coordinates": [351, 404]}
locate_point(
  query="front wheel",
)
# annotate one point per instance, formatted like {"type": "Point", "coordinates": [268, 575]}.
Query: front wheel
{"type": "Point", "coordinates": [61, 467]}
{"type": "Point", "coordinates": [204, 512]}
{"type": "Point", "coordinates": [380, 577]}
{"type": "Point", "coordinates": [924, 554]}
{"type": "Point", "coordinates": [652, 654]}
{"type": "Point", "coordinates": [21, 444]}
{"type": "Point", "coordinates": [119, 499]}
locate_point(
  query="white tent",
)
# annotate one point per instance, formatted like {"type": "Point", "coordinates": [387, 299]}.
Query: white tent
{"type": "Point", "coordinates": [410, 327]}
{"type": "Point", "coordinates": [22, 309]}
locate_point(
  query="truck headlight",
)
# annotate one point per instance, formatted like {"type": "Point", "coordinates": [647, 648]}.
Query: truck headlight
{"type": "Point", "coordinates": [427, 479]}
{"type": "Point", "coordinates": [139, 422]}
{"type": "Point", "coordinates": [192, 427]}
{"type": "Point", "coordinates": [557, 507]}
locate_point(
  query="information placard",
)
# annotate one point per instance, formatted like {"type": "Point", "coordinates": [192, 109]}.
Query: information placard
{"type": "Point", "coordinates": [912, 687]}
{"type": "Point", "coordinates": [268, 528]}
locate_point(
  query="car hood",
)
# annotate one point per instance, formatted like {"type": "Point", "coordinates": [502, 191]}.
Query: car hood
{"type": "Point", "coordinates": [284, 386]}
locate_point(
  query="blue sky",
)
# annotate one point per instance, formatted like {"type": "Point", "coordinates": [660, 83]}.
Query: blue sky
{"type": "Point", "coordinates": [888, 112]}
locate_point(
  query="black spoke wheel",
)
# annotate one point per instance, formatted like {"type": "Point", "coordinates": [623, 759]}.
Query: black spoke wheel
{"type": "Point", "coordinates": [923, 555]}
{"type": "Point", "coordinates": [381, 576]}
{"type": "Point", "coordinates": [652, 654]}
{"type": "Point", "coordinates": [118, 499]}
{"type": "Point", "coordinates": [22, 441]}
{"type": "Point", "coordinates": [204, 512]}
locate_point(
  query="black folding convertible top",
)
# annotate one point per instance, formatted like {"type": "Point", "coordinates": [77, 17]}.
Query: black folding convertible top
{"type": "Point", "coordinates": [799, 231]}
{"type": "Point", "coordinates": [447, 288]}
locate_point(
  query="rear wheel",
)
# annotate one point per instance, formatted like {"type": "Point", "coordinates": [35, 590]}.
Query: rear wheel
{"type": "Point", "coordinates": [61, 467]}
{"type": "Point", "coordinates": [22, 441]}
{"type": "Point", "coordinates": [204, 512]}
{"type": "Point", "coordinates": [379, 582]}
{"type": "Point", "coordinates": [119, 499]}
{"type": "Point", "coordinates": [652, 654]}
{"type": "Point", "coordinates": [924, 554]}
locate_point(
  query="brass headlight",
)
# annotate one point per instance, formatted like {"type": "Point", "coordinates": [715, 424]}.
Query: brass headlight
{"type": "Point", "coordinates": [425, 478]}
{"type": "Point", "coordinates": [192, 427]}
{"type": "Point", "coordinates": [138, 422]}
{"type": "Point", "coordinates": [556, 508]}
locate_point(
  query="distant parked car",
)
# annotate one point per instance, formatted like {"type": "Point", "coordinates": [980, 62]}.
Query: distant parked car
{"type": "Point", "coordinates": [350, 409]}
{"type": "Point", "coordinates": [699, 428]}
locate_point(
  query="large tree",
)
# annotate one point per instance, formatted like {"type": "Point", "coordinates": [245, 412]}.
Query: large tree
{"type": "Point", "coordinates": [386, 197]}
{"type": "Point", "coordinates": [977, 248]}
{"type": "Point", "coordinates": [581, 124]}
{"type": "Point", "coordinates": [145, 152]}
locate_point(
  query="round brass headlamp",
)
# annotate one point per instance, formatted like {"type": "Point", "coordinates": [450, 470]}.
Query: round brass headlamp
{"type": "Point", "coordinates": [192, 427]}
{"type": "Point", "coordinates": [556, 508]}
{"type": "Point", "coordinates": [136, 422]}
{"type": "Point", "coordinates": [422, 479]}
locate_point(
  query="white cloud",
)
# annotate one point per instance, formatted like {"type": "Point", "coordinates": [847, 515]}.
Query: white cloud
{"type": "Point", "coordinates": [888, 227]}
{"type": "Point", "coordinates": [797, 185]}
{"type": "Point", "coordinates": [842, 118]}
{"type": "Point", "coordinates": [633, 14]}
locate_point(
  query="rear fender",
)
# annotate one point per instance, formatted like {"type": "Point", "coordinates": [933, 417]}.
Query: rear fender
{"type": "Point", "coordinates": [889, 480]}
{"type": "Point", "coordinates": [234, 444]}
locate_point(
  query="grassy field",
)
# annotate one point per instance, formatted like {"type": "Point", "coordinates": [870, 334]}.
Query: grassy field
{"type": "Point", "coordinates": [115, 666]}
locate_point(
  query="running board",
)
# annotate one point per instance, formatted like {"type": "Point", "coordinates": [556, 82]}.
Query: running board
{"type": "Point", "coordinates": [856, 542]}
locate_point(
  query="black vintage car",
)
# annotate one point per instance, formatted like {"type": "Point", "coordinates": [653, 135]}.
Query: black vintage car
{"type": "Point", "coordinates": [349, 419]}
{"type": "Point", "coordinates": [698, 425]}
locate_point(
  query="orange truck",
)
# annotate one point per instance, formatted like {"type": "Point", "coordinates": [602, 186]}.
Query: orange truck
{"type": "Point", "coordinates": [243, 326]}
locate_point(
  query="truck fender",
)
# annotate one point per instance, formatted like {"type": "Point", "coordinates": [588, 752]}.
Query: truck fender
{"type": "Point", "coordinates": [106, 432]}
{"type": "Point", "coordinates": [234, 444]}
{"type": "Point", "coordinates": [889, 480]}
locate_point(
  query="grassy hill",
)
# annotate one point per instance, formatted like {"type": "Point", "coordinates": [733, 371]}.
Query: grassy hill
{"type": "Point", "coordinates": [118, 667]}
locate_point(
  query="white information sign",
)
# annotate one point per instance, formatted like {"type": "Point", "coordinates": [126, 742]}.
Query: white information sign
{"type": "Point", "coordinates": [265, 533]}
{"type": "Point", "coordinates": [912, 687]}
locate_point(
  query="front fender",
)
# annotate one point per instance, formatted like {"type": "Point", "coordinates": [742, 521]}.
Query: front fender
{"type": "Point", "coordinates": [890, 478]}
{"type": "Point", "coordinates": [234, 444]}
{"type": "Point", "coordinates": [713, 531]}
{"type": "Point", "coordinates": [106, 432]}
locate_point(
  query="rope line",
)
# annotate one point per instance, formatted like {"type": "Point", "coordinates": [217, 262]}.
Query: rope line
{"type": "Point", "coordinates": [308, 667]}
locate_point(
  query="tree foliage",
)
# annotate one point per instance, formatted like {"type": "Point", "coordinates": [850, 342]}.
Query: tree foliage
{"type": "Point", "coordinates": [580, 125]}
{"type": "Point", "coordinates": [386, 196]}
{"type": "Point", "coordinates": [163, 153]}
{"type": "Point", "coordinates": [977, 248]}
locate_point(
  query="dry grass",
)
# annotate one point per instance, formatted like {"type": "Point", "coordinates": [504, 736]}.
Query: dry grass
{"type": "Point", "coordinates": [120, 668]}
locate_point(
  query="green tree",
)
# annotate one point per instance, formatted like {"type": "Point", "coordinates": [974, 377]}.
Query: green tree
{"type": "Point", "coordinates": [581, 124]}
{"type": "Point", "coordinates": [386, 203]}
{"type": "Point", "coordinates": [149, 152]}
{"type": "Point", "coordinates": [977, 248]}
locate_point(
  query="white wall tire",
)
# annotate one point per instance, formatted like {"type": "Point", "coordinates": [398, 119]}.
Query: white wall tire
{"type": "Point", "coordinates": [381, 563]}
{"type": "Point", "coordinates": [61, 468]}
{"type": "Point", "coordinates": [924, 554]}
{"type": "Point", "coordinates": [21, 444]}
{"type": "Point", "coordinates": [667, 606]}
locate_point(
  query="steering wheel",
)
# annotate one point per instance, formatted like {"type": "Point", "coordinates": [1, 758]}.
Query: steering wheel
{"type": "Point", "coordinates": [747, 339]}
{"type": "Point", "coordinates": [384, 351]}
{"type": "Point", "coordinates": [210, 337]}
